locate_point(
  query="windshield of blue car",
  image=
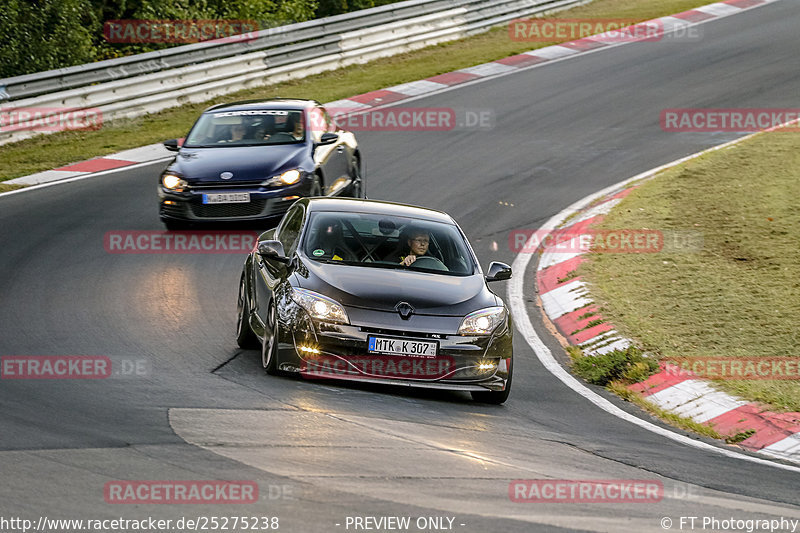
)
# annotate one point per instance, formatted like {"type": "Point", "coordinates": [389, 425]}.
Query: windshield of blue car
{"type": "Point", "coordinates": [249, 127]}
{"type": "Point", "coordinates": [382, 241]}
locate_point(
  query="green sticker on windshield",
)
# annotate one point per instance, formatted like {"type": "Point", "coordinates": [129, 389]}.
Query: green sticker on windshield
{"type": "Point", "coordinates": [318, 252]}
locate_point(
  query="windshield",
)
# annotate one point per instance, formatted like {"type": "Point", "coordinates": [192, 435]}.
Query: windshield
{"type": "Point", "coordinates": [387, 242]}
{"type": "Point", "coordinates": [247, 128]}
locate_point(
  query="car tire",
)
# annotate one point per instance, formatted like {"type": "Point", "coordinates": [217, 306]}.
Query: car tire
{"type": "Point", "coordinates": [269, 347]}
{"type": "Point", "coordinates": [495, 397]}
{"type": "Point", "coordinates": [316, 186]}
{"type": "Point", "coordinates": [245, 337]}
{"type": "Point", "coordinates": [359, 186]}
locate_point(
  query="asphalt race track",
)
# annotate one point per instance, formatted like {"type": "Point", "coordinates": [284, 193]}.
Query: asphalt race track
{"type": "Point", "coordinates": [322, 452]}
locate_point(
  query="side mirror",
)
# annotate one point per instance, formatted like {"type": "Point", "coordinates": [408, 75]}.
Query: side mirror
{"type": "Point", "coordinates": [498, 271]}
{"type": "Point", "coordinates": [328, 138]}
{"type": "Point", "coordinates": [272, 250]}
{"type": "Point", "coordinates": [172, 145]}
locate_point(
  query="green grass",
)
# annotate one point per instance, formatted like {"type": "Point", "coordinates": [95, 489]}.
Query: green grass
{"type": "Point", "coordinates": [5, 187]}
{"type": "Point", "coordinates": [739, 437]}
{"type": "Point", "coordinates": [624, 366]}
{"type": "Point", "coordinates": [738, 295]}
{"type": "Point", "coordinates": [50, 151]}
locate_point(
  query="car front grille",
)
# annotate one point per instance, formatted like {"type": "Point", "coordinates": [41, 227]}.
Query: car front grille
{"type": "Point", "coordinates": [250, 209]}
{"type": "Point", "coordinates": [227, 185]}
{"type": "Point", "coordinates": [403, 333]}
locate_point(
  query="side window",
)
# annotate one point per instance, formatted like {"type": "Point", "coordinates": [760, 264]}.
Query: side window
{"type": "Point", "coordinates": [290, 230]}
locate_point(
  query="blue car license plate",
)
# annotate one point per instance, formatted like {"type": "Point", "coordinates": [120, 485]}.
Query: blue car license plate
{"type": "Point", "coordinates": [408, 347]}
{"type": "Point", "coordinates": [227, 198]}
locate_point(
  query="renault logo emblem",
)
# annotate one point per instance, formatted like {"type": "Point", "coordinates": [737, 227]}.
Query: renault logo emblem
{"type": "Point", "coordinates": [405, 309]}
{"type": "Point", "coordinates": [226, 175]}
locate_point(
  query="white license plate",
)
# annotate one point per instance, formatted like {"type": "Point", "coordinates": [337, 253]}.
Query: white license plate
{"type": "Point", "coordinates": [409, 347]}
{"type": "Point", "coordinates": [227, 198]}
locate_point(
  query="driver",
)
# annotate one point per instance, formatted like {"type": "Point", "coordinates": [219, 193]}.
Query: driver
{"type": "Point", "coordinates": [296, 126]}
{"type": "Point", "coordinates": [418, 242]}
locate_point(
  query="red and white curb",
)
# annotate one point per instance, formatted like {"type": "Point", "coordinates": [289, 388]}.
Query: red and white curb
{"type": "Point", "coordinates": [566, 299]}
{"type": "Point", "coordinates": [135, 156]}
{"type": "Point", "coordinates": [569, 306]}
{"type": "Point", "coordinates": [776, 434]}
{"type": "Point", "coordinates": [442, 82]}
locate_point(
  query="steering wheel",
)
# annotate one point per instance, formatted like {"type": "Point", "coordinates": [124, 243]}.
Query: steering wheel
{"type": "Point", "coordinates": [429, 262]}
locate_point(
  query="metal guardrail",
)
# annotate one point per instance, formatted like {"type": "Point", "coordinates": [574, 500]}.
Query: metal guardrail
{"type": "Point", "coordinates": [131, 86]}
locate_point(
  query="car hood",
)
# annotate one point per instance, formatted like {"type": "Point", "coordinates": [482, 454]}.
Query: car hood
{"type": "Point", "coordinates": [246, 163]}
{"type": "Point", "coordinates": [382, 289]}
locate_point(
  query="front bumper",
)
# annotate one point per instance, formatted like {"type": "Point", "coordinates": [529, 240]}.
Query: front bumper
{"type": "Point", "coordinates": [334, 351]}
{"type": "Point", "coordinates": [264, 203]}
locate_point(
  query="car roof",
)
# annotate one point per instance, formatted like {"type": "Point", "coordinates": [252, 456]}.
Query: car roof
{"type": "Point", "coordinates": [271, 103]}
{"type": "Point", "coordinates": [377, 207]}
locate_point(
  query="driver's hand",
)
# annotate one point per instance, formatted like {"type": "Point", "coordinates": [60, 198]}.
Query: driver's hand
{"type": "Point", "coordinates": [410, 258]}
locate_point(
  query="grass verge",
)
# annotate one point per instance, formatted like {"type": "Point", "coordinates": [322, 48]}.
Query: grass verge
{"type": "Point", "coordinates": [618, 369]}
{"type": "Point", "coordinates": [5, 187]}
{"type": "Point", "coordinates": [738, 294]}
{"type": "Point", "coordinates": [51, 151]}
{"type": "Point", "coordinates": [624, 366]}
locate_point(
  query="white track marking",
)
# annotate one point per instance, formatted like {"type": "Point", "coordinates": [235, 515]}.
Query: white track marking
{"type": "Point", "coordinates": [695, 399]}
{"type": "Point", "coordinates": [560, 301]}
{"type": "Point", "coordinates": [84, 176]}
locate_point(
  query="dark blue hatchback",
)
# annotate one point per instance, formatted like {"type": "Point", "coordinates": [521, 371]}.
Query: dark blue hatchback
{"type": "Point", "coordinates": [251, 160]}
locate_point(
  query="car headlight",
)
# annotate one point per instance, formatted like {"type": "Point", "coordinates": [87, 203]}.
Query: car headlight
{"type": "Point", "coordinates": [319, 306]}
{"type": "Point", "coordinates": [290, 177]}
{"type": "Point", "coordinates": [482, 322]}
{"type": "Point", "coordinates": [173, 182]}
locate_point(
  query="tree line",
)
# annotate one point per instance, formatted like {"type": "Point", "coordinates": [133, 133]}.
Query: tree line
{"type": "Point", "coordinates": [39, 35]}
